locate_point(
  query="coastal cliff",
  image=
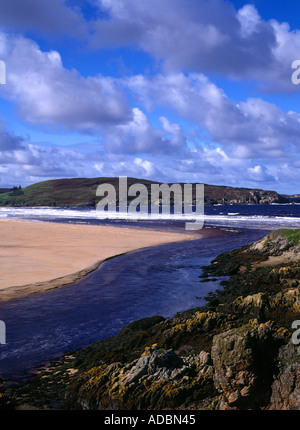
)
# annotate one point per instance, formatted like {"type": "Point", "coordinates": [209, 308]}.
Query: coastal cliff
{"type": "Point", "coordinates": [82, 192]}
{"type": "Point", "coordinates": [236, 352]}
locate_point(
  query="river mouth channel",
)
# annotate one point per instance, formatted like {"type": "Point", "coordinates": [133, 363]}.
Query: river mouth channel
{"type": "Point", "coordinates": [161, 280]}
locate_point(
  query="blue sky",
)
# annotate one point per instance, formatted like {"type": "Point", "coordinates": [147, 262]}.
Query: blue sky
{"type": "Point", "coordinates": [170, 90]}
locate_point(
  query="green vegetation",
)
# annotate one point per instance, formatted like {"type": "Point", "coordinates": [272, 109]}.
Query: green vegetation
{"type": "Point", "coordinates": [82, 192]}
{"type": "Point", "coordinates": [292, 235]}
{"type": "Point", "coordinates": [16, 191]}
{"type": "Point", "coordinates": [61, 192]}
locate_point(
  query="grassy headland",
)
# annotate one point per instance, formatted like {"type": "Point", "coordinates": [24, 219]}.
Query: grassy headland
{"type": "Point", "coordinates": [82, 192]}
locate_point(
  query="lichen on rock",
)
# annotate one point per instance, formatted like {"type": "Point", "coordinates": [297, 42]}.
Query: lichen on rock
{"type": "Point", "coordinates": [286, 387]}
{"type": "Point", "coordinates": [243, 361]}
{"type": "Point", "coordinates": [158, 378]}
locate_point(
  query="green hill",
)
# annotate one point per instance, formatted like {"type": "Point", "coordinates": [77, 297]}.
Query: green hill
{"type": "Point", "coordinates": [82, 192]}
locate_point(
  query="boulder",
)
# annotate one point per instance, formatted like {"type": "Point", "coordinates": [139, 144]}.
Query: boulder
{"type": "Point", "coordinates": [243, 364]}
{"type": "Point", "coordinates": [286, 387]}
{"type": "Point", "coordinates": [159, 378]}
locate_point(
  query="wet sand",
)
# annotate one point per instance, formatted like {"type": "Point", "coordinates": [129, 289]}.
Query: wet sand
{"type": "Point", "coordinates": [38, 256]}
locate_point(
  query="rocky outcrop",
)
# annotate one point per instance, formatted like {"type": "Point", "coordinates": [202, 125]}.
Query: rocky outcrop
{"type": "Point", "coordinates": [241, 196]}
{"type": "Point", "coordinates": [286, 386]}
{"type": "Point", "coordinates": [236, 370]}
{"type": "Point", "coordinates": [237, 373]}
{"type": "Point", "coordinates": [259, 305]}
{"type": "Point", "coordinates": [254, 304]}
{"type": "Point", "coordinates": [158, 379]}
{"type": "Point", "coordinates": [277, 242]}
{"type": "Point", "coordinates": [243, 366]}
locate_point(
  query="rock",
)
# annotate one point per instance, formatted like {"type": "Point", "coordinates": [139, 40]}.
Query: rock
{"type": "Point", "coordinates": [252, 304]}
{"type": "Point", "coordinates": [243, 364]}
{"type": "Point", "coordinates": [159, 378]}
{"type": "Point", "coordinates": [276, 243]}
{"type": "Point", "coordinates": [286, 387]}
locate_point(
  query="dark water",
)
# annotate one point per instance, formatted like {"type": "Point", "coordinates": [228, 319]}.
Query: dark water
{"type": "Point", "coordinates": [161, 280]}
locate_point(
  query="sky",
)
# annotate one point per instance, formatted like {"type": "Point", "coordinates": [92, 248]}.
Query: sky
{"type": "Point", "coordinates": [169, 90]}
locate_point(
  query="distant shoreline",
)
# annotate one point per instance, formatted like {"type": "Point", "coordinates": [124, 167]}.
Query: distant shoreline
{"type": "Point", "coordinates": [79, 192]}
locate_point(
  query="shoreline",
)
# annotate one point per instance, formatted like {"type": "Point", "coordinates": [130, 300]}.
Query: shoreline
{"type": "Point", "coordinates": [47, 253]}
{"type": "Point", "coordinates": [236, 351]}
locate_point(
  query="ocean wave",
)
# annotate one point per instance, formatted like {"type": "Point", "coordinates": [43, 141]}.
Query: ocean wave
{"type": "Point", "coordinates": [253, 221]}
{"type": "Point", "coordinates": [231, 219]}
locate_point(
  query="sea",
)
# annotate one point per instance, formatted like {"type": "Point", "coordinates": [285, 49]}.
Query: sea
{"type": "Point", "coordinates": [162, 280]}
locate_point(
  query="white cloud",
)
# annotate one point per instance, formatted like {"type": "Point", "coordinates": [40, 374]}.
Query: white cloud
{"type": "Point", "coordinates": [48, 94]}
{"type": "Point", "coordinates": [201, 36]}
{"type": "Point", "coordinates": [204, 37]}
{"type": "Point", "coordinates": [249, 19]}
{"type": "Point", "coordinates": [253, 128]}
{"type": "Point", "coordinates": [30, 162]}
{"type": "Point", "coordinates": [9, 141]}
{"type": "Point", "coordinates": [139, 136]}
{"type": "Point", "coordinates": [249, 142]}
{"type": "Point", "coordinates": [47, 17]}
{"type": "Point", "coordinates": [149, 169]}
{"type": "Point", "coordinates": [259, 174]}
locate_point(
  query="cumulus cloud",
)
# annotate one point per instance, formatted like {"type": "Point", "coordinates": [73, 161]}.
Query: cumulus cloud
{"type": "Point", "coordinates": [203, 37]}
{"type": "Point", "coordinates": [47, 17]}
{"type": "Point", "coordinates": [197, 35]}
{"type": "Point", "coordinates": [251, 129]}
{"type": "Point", "coordinates": [139, 136]}
{"type": "Point", "coordinates": [179, 125]}
{"type": "Point", "coordinates": [23, 162]}
{"type": "Point", "coordinates": [260, 174]}
{"type": "Point", "coordinates": [29, 162]}
{"type": "Point", "coordinates": [239, 134]}
{"type": "Point", "coordinates": [47, 93]}
{"type": "Point", "coordinates": [249, 20]}
{"type": "Point", "coordinates": [8, 141]}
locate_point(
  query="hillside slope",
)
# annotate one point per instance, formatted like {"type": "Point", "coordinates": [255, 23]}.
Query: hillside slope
{"type": "Point", "coordinates": [82, 192]}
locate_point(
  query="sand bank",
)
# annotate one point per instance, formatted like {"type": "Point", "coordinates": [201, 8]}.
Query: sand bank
{"type": "Point", "coordinates": [37, 256]}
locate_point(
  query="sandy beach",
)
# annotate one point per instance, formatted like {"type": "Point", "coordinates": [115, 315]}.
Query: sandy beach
{"type": "Point", "coordinates": [37, 256]}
